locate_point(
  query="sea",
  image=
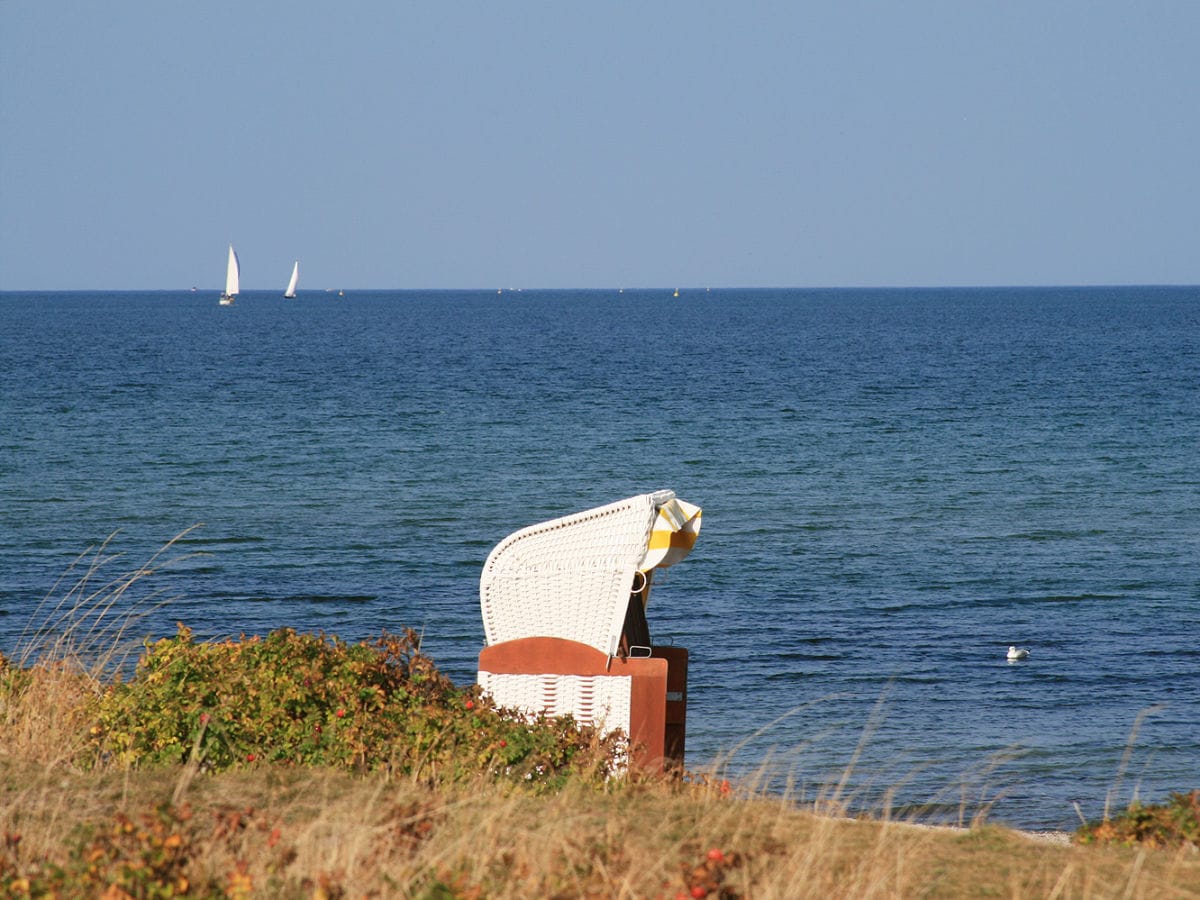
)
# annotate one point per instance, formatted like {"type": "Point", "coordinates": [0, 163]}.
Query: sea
{"type": "Point", "coordinates": [897, 485]}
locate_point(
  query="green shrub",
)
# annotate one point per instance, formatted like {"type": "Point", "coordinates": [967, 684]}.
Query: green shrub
{"type": "Point", "coordinates": [1171, 824]}
{"type": "Point", "coordinates": [312, 700]}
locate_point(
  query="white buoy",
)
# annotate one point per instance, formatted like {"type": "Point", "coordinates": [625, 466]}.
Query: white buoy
{"type": "Point", "coordinates": [1015, 653]}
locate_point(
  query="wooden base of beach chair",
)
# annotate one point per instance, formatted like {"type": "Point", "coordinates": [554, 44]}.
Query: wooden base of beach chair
{"type": "Point", "coordinates": [644, 694]}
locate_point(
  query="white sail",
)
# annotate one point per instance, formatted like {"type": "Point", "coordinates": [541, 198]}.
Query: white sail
{"type": "Point", "coordinates": [232, 275]}
{"type": "Point", "coordinates": [291, 288]}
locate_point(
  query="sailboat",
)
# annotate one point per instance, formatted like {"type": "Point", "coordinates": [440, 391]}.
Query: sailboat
{"type": "Point", "coordinates": [232, 277]}
{"type": "Point", "coordinates": [290, 293]}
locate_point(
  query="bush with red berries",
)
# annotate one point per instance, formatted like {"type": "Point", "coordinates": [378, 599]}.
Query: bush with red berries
{"type": "Point", "coordinates": [312, 700]}
{"type": "Point", "coordinates": [709, 877]}
{"type": "Point", "coordinates": [1175, 823]}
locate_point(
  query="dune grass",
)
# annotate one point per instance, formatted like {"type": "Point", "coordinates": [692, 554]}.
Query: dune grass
{"type": "Point", "coordinates": [289, 832]}
{"type": "Point", "coordinates": [79, 823]}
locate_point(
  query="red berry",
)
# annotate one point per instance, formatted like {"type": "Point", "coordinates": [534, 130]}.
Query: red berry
{"type": "Point", "coordinates": [716, 855]}
{"type": "Point", "coordinates": [340, 713]}
{"type": "Point", "coordinates": [699, 891]}
{"type": "Point", "coordinates": [249, 757]}
{"type": "Point", "coordinates": [503, 742]}
{"type": "Point", "coordinates": [470, 704]}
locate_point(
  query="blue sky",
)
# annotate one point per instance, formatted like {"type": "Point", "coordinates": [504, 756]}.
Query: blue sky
{"type": "Point", "coordinates": [401, 145]}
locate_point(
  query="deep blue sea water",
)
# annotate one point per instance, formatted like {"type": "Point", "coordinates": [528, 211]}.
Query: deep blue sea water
{"type": "Point", "coordinates": [897, 484]}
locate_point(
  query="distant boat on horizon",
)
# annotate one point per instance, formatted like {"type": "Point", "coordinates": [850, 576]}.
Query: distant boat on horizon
{"type": "Point", "coordinates": [290, 293]}
{"type": "Point", "coordinates": [233, 274]}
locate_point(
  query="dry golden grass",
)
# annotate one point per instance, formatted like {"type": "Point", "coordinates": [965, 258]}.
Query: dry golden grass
{"type": "Point", "coordinates": [78, 638]}
{"type": "Point", "coordinates": [319, 833]}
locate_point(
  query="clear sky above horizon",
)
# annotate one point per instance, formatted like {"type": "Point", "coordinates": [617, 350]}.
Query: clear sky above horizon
{"type": "Point", "coordinates": [399, 145]}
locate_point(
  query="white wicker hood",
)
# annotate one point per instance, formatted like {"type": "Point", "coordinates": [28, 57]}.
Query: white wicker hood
{"type": "Point", "coordinates": [572, 577]}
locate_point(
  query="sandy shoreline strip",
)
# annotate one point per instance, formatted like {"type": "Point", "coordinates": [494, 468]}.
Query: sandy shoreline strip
{"type": "Point", "coordinates": [1047, 837]}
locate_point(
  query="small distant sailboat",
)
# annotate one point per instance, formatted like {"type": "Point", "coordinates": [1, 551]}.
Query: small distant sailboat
{"type": "Point", "coordinates": [233, 272]}
{"type": "Point", "coordinates": [290, 293]}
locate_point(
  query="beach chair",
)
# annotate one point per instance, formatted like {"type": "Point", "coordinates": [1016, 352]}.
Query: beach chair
{"type": "Point", "coordinates": [564, 615]}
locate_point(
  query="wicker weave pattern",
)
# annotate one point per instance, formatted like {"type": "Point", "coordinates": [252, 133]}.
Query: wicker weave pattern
{"type": "Point", "coordinates": [600, 700]}
{"type": "Point", "coordinates": [570, 577]}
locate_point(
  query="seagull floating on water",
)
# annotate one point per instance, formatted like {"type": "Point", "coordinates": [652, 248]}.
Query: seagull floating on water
{"type": "Point", "coordinates": [1015, 653]}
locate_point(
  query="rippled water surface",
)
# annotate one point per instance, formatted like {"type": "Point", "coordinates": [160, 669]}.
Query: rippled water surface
{"type": "Point", "coordinates": [896, 486]}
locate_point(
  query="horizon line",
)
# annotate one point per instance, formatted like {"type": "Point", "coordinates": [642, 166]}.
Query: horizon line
{"type": "Point", "coordinates": [641, 288]}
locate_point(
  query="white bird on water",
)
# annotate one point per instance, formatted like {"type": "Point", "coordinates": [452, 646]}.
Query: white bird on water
{"type": "Point", "coordinates": [1015, 653]}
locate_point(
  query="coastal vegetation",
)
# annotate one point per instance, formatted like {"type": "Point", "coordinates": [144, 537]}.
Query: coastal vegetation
{"type": "Point", "coordinates": [300, 765]}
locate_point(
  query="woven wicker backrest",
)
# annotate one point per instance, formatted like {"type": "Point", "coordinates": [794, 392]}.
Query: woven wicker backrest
{"type": "Point", "coordinates": [570, 577]}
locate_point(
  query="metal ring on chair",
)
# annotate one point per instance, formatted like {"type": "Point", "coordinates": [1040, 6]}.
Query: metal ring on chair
{"type": "Point", "coordinates": [645, 580]}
